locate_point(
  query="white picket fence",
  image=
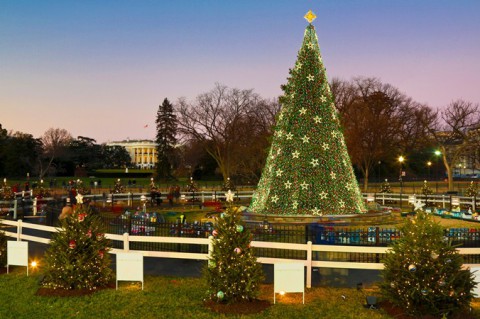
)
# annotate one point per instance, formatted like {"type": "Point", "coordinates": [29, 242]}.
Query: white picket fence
{"type": "Point", "coordinates": [308, 247]}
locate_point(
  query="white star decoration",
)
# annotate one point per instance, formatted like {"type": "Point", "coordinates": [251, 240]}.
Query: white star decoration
{"type": "Point", "coordinates": [229, 196]}
{"type": "Point", "coordinates": [303, 111]}
{"type": "Point", "coordinates": [333, 175]}
{"type": "Point", "coordinates": [418, 205]}
{"type": "Point", "coordinates": [299, 66]}
{"type": "Point", "coordinates": [295, 154]}
{"type": "Point", "coordinates": [280, 117]}
{"type": "Point", "coordinates": [316, 211]}
{"type": "Point", "coordinates": [325, 146]}
{"type": "Point", "coordinates": [310, 77]}
{"type": "Point", "coordinates": [289, 136]}
{"type": "Point", "coordinates": [288, 184]}
{"type": "Point", "coordinates": [278, 151]}
{"type": "Point", "coordinates": [304, 185]}
{"type": "Point", "coordinates": [323, 195]}
{"type": "Point", "coordinates": [305, 139]}
{"type": "Point", "coordinates": [323, 99]}
{"type": "Point", "coordinates": [349, 186]}
{"type": "Point", "coordinates": [279, 172]}
{"type": "Point", "coordinates": [310, 45]}
{"type": "Point", "coordinates": [79, 198]}
{"type": "Point", "coordinates": [335, 134]}
{"type": "Point", "coordinates": [341, 204]}
{"type": "Point", "coordinates": [295, 204]}
{"type": "Point", "coordinates": [279, 133]}
{"type": "Point", "coordinates": [274, 199]}
{"type": "Point", "coordinates": [292, 95]}
{"type": "Point", "coordinates": [317, 119]}
{"type": "Point", "coordinates": [314, 162]}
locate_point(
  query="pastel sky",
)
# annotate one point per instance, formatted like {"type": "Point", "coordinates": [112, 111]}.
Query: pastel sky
{"type": "Point", "coordinates": [100, 68]}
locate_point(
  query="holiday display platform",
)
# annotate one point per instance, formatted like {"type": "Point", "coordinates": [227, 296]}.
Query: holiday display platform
{"type": "Point", "coordinates": [308, 171]}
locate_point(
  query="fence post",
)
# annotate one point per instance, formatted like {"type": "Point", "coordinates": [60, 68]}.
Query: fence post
{"type": "Point", "coordinates": [15, 207]}
{"type": "Point", "coordinates": [126, 242]}
{"type": "Point", "coordinates": [309, 264]}
{"type": "Point", "coordinates": [210, 247]}
{"type": "Point", "coordinates": [19, 230]}
{"type": "Point", "coordinates": [34, 206]}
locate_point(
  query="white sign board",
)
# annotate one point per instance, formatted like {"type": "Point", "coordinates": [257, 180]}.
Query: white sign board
{"type": "Point", "coordinates": [129, 267]}
{"type": "Point", "coordinates": [17, 254]}
{"type": "Point", "coordinates": [289, 277]}
{"type": "Point", "coordinates": [476, 277]}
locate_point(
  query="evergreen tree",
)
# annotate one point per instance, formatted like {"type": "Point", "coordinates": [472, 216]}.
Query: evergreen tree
{"type": "Point", "coordinates": [426, 190]}
{"type": "Point", "coordinates": [423, 272]}
{"type": "Point", "coordinates": [233, 273]}
{"type": "Point", "coordinates": [386, 188]}
{"type": "Point", "coordinates": [118, 188]}
{"type": "Point", "coordinates": [3, 249]}
{"type": "Point", "coordinates": [192, 186]}
{"type": "Point", "coordinates": [77, 257]}
{"type": "Point", "coordinates": [308, 170]}
{"type": "Point", "coordinates": [6, 192]}
{"type": "Point", "coordinates": [166, 140]}
{"type": "Point", "coordinates": [229, 185]}
{"type": "Point", "coordinates": [471, 190]}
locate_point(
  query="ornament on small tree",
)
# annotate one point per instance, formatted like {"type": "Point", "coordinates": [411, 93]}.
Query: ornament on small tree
{"type": "Point", "coordinates": [72, 244]}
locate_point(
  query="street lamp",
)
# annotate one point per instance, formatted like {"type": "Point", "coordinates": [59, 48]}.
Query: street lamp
{"type": "Point", "coordinates": [401, 159]}
{"type": "Point", "coordinates": [429, 164]}
{"type": "Point", "coordinates": [437, 156]}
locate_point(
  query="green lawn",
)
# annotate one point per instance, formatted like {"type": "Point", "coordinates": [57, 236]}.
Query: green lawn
{"type": "Point", "coordinates": [166, 297]}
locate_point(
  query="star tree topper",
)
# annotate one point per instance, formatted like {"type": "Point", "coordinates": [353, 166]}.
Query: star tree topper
{"type": "Point", "coordinates": [310, 16]}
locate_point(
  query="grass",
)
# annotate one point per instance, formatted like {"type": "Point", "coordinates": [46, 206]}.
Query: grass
{"type": "Point", "coordinates": [166, 297]}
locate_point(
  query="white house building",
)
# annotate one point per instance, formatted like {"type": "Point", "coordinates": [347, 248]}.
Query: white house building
{"type": "Point", "coordinates": [142, 152]}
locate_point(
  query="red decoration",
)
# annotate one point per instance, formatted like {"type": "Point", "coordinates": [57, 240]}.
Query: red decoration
{"type": "Point", "coordinates": [99, 236]}
{"type": "Point", "coordinates": [72, 244]}
{"type": "Point", "coordinates": [101, 253]}
{"type": "Point", "coordinates": [89, 233]}
{"type": "Point", "coordinates": [214, 233]}
{"type": "Point", "coordinates": [81, 217]}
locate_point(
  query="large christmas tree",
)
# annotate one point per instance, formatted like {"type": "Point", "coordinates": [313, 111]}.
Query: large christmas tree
{"type": "Point", "coordinates": [233, 273]}
{"type": "Point", "coordinates": [423, 272]}
{"type": "Point", "coordinates": [308, 170]}
{"type": "Point", "coordinates": [77, 257]}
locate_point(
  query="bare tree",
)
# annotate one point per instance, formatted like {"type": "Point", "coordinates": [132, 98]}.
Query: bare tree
{"type": "Point", "coordinates": [455, 131]}
{"type": "Point", "coordinates": [375, 117]}
{"type": "Point", "coordinates": [54, 143]}
{"type": "Point", "coordinates": [225, 121]}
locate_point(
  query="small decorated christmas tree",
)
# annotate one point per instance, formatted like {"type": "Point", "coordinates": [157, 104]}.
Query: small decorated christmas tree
{"type": "Point", "coordinates": [423, 272]}
{"type": "Point", "coordinates": [229, 185]}
{"type": "Point", "coordinates": [471, 190]}
{"type": "Point", "coordinates": [386, 188]}
{"type": "Point", "coordinates": [118, 188]}
{"type": "Point", "coordinates": [192, 186]}
{"type": "Point", "coordinates": [41, 191]}
{"type": "Point", "coordinates": [426, 190]}
{"type": "Point", "coordinates": [3, 249]}
{"type": "Point", "coordinates": [233, 273]}
{"type": "Point", "coordinates": [6, 192]}
{"type": "Point", "coordinates": [77, 257]}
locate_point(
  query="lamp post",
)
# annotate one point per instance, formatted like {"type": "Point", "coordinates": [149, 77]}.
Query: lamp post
{"type": "Point", "coordinates": [400, 160]}
{"type": "Point", "coordinates": [429, 164]}
{"type": "Point", "coordinates": [437, 156]}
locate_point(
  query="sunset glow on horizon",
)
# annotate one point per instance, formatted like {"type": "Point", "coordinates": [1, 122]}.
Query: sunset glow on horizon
{"type": "Point", "coordinates": [101, 68]}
